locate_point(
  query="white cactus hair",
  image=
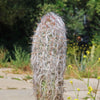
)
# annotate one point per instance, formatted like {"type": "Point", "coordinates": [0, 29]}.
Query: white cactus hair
{"type": "Point", "coordinates": [48, 57]}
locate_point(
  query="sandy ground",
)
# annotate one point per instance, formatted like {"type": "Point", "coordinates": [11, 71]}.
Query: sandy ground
{"type": "Point", "coordinates": [14, 87]}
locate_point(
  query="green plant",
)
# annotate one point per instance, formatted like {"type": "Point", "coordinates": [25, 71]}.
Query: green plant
{"type": "Point", "coordinates": [16, 78]}
{"type": "Point", "coordinates": [76, 91]}
{"type": "Point", "coordinates": [3, 57]}
{"type": "Point", "coordinates": [91, 90]}
{"type": "Point", "coordinates": [28, 77]}
{"type": "Point", "coordinates": [21, 58]}
{"type": "Point", "coordinates": [1, 76]}
{"type": "Point", "coordinates": [11, 88]}
{"type": "Point", "coordinates": [83, 60]}
{"type": "Point", "coordinates": [48, 57]}
{"type": "Point", "coordinates": [92, 93]}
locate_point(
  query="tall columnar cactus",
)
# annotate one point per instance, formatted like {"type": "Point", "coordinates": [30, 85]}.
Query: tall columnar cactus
{"type": "Point", "coordinates": [48, 57]}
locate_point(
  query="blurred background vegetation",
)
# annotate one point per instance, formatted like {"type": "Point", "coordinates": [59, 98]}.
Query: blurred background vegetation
{"type": "Point", "coordinates": [19, 18]}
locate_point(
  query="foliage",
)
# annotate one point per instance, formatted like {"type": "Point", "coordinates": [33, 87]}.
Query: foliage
{"type": "Point", "coordinates": [1, 76]}
{"type": "Point", "coordinates": [19, 18]}
{"type": "Point", "coordinates": [82, 59]}
{"type": "Point", "coordinates": [4, 56]}
{"type": "Point", "coordinates": [21, 58]}
{"type": "Point", "coordinates": [83, 62]}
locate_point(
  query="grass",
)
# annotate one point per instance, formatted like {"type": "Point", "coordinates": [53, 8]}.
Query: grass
{"type": "Point", "coordinates": [92, 72]}
{"type": "Point", "coordinates": [83, 64]}
{"type": "Point", "coordinates": [79, 65]}
{"type": "Point", "coordinates": [27, 77]}
{"type": "Point", "coordinates": [11, 88]}
{"type": "Point", "coordinates": [20, 71]}
{"type": "Point", "coordinates": [16, 79]}
{"type": "Point", "coordinates": [86, 65]}
{"type": "Point", "coordinates": [1, 76]}
{"type": "Point", "coordinates": [21, 59]}
{"type": "Point", "coordinates": [3, 57]}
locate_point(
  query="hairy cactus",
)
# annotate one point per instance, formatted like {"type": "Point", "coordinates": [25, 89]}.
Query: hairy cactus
{"type": "Point", "coordinates": [48, 57]}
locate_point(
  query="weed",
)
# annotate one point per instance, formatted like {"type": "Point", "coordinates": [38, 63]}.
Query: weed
{"type": "Point", "coordinates": [92, 93]}
{"type": "Point", "coordinates": [3, 57]}
{"type": "Point", "coordinates": [11, 88]}
{"type": "Point", "coordinates": [16, 78]}
{"type": "Point", "coordinates": [1, 76]}
{"type": "Point", "coordinates": [28, 77]}
{"type": "Point", "coordinates": [83, 59]}
{"type": "Point", "coordinates": [22, 58]}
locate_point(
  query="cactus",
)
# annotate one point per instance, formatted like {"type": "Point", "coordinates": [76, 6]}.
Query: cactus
{"type": "Point", "coordinates": [48, 57]}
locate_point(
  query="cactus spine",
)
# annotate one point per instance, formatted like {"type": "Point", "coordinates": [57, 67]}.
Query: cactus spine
{"type": "Point", "coordinates": [48, 57]}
